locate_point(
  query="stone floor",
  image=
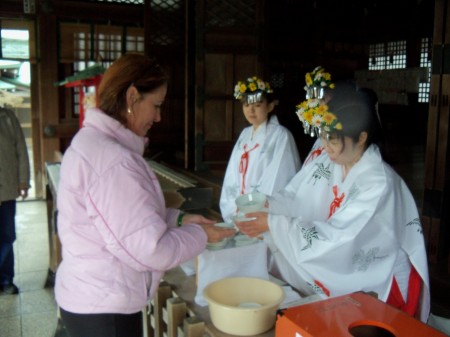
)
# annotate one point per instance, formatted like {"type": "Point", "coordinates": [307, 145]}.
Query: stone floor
{"type": "Point", "coordinates": [33, 312]}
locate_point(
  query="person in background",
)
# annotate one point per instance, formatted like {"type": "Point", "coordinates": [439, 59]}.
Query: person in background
{"type": "Point", "coordinates": [117, 236]}
{"type": "Point", "coordinates": [14, 183]}
{"type": "Point", "coordinates": [265, 156]}
{"type": "Point", "coordinates": [347, 221]}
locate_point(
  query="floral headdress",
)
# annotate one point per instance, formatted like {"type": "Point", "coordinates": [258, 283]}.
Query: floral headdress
{"type": "Point", "coordinates": [318, 79]}
{"type": "Point", "coordinates": [251, 90]}
{"type": "Point", "coordinates": [313, 113]}
{"type": "Point", "coordinates": [316, 118]}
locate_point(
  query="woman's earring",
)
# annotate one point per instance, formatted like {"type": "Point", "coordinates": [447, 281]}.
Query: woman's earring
{"type": "Point", "coordinates": [129, 111]}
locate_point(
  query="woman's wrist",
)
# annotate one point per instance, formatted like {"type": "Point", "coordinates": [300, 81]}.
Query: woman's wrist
{"type": "Point", "coordinates": [180, 219]}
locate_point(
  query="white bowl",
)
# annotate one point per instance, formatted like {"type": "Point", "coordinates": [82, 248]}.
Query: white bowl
{"type": "Point", "coordinates": [243, 306]}
{"type": "Point", "coordinates": [222, 243]}
{"type": "Point", "coordinates": [226, 225]}
{"type": "Point", "coordinates": [251, 202]}
{"type": "Point", "coordinates": [217, 245]}
{"type": "Point", "coordinates": [243, 240]}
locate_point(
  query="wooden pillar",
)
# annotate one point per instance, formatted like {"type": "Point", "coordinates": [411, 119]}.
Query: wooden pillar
{"type": "Point", "coordinates": [48, 93]}
{"type": "Point", "coordinates": [435, 215]}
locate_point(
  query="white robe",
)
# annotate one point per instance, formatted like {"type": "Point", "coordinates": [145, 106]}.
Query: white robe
{"type": "Point", "coordinates": [273, 160]}
{"type": "Point", "coordinates": [373, 232]}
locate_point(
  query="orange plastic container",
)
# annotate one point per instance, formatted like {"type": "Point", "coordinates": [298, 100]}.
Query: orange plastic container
{"type": "Point", "coordinates": [354, 315]}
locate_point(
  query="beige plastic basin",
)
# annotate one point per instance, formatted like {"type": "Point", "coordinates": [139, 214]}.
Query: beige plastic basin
{"type": "Point", "coordinates": [243, 306]}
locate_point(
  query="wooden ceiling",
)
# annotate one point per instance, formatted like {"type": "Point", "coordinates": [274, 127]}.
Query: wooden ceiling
{"type": "Point", "coordinates": [351, 20]}
{"type": "Point", "coordinates": [359, 21]}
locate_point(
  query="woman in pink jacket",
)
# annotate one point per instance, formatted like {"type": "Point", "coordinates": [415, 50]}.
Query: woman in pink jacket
{"type": "Point", "coordinates": [117, 236]}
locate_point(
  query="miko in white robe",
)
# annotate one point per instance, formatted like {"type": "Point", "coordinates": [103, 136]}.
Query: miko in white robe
{"type": "Point", "coordinates": [334, 237]}
{"type": "Point", "coordinates": [264, 161]}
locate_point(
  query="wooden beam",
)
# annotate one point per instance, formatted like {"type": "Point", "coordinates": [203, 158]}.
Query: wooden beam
{"type": "Point", "coordinates": [99, 12]}
{"type": "Point", "coordinates": [47, 76]}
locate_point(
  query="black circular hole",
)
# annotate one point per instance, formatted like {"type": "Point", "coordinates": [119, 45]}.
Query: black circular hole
{"type": "Point", "coordinates": [370, 331]}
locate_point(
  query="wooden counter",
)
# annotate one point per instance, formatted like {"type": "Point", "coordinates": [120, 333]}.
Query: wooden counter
{"type": "Point", "coordinates": [182, 290]}
{"type": "Point", "coordinates": [52, 170]}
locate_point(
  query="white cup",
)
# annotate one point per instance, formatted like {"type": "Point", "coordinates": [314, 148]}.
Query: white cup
{"type": "Point", "coordinates": [251, 202]}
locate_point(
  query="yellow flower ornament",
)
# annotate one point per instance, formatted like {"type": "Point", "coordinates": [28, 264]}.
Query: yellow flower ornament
{"type": "Point", "coordinates": [316, 118]}
{"type": "Point", "coordinates": [319, 77]}
{"type": "Point", "coordinates": [251, 90]}
{"type": "Point", "coordinates": [313, 113]}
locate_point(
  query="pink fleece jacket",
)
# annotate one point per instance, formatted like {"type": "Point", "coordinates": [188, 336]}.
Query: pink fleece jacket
{"type": "Point", "coordinates": [117, 236]}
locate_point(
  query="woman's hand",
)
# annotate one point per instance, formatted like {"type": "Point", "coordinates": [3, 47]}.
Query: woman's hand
{"type": "Point", "coordinates": [198, 219]}
{"type": "Point", "coordinates": [215, 234]}
{"type": "Point", "coordinates": [256, 227]}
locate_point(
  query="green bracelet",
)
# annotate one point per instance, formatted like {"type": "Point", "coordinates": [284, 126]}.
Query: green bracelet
{"type": "Point", "coordinates": [180, 219]}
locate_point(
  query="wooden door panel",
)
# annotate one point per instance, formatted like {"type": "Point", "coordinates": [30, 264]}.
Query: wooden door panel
{"type": "Point", "coordinates": [223, 119]}
{"type": "Point", "coordinates": [218, 74]}
{"type": "Point", "coordinates": [430, 162]}
{"type": "Point", "coordinates": [442, 141]}
{"type": "Point", "coordinates": [217, 119]}
{"type": "Point", "coordinates": [246, 65]}
{"type": "Point", "coordinates": [435, 212]}
{"type": "Point", "coordinates": [228, 49]}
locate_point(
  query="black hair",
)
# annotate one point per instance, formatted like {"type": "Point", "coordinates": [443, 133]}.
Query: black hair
{"type": "Point", "coordinates": [269, 98]}
{"type": "Point", "coordinates": [356, 109]}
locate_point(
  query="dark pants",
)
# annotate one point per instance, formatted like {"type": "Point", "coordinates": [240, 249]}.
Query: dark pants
{"type": "Point", "coordinates": [7, 238]}
{"type": "Point", "coordinates": [102, 325]}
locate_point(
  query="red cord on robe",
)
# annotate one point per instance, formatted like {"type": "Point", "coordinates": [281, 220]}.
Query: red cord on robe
{"type": "Point", "coordinates": [243, 165]}
{"type": "Point", "coordinates": [336, 203]}
{"type": "Point", "coordinates": [314, 154]}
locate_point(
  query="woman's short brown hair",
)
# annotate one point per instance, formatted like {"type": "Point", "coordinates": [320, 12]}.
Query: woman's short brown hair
{"type": "Point", "coordinates": [142, 72]}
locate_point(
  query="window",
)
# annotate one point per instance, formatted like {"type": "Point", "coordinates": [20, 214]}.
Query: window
{"type": "Point", "coordinates": [425, 61]}
{"type": "Point", "coordinates": [89, 92]}
{"type": "Point", "coordinates": [15, 44]}
{"type": "Point", "coordinates": [17, 40]}
{"type": "Point", "coordinates": [390, 55]}
{"type": "Point", "coordinates": [85, 42]}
